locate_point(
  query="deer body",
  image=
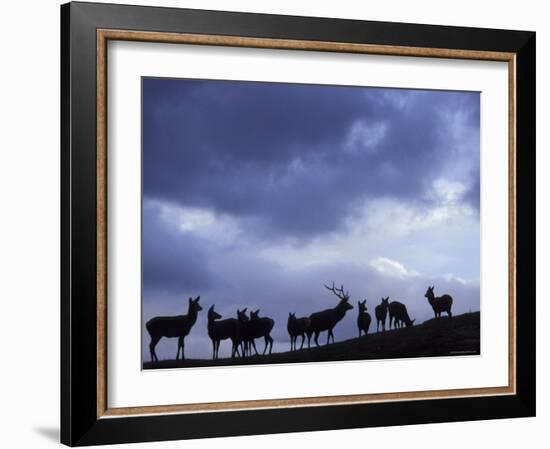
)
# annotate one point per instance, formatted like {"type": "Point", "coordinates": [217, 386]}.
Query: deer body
{"type": "Point", "coordinates": [172, 327]}
{"type": "Point", "coordinates": [363, 318]}
{"type": "Point", "coordinates": [381, 312]}
{"type": "Point", "coordinates": [399, 315]}
{"type": "Point", "coordinates": [439, 304]}
{"type": "Point", "coordinates": [297, 327]}
{"type": "Point", "coordinates": [327, 319]}
{"type": "Point", "coordinates": [219, 330]}
{"type": "Point", "coordinates": [259, 327]}
{"type": "Point", "coordinates": [244, 331]}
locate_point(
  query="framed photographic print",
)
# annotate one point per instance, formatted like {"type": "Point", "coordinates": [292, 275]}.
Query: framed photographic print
{"type": "Point", "coordinates": [280, 224]}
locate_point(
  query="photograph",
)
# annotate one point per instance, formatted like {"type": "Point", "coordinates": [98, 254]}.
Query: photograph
{"type": "Point", "coordinates": [306, 223]}
{"type": "Point", "coordinates": [286, 221]}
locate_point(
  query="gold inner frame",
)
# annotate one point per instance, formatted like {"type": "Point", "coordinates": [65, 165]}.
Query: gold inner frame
{"type": "Point", "coordinates": [104, 35]}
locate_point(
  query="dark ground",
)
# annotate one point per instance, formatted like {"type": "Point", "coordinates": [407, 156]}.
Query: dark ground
{"type": "Point", "coordinates": [436, 337]}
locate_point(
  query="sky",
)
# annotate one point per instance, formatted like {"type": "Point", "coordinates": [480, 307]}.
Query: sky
{"type": "Point", "coordinates": [255, 194]}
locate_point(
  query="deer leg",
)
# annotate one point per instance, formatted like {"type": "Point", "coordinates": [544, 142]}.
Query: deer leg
{"type": "Point", "coordinates": [152, 346]}
{"type": "Point", "coordinates": [253, 345]}
{"type": "Point", "coordinates": [270, 344]}
{"type": "Point", "coordinates": [316, 338]}
{"type": "Point", "coordinates": [266, 342]}
{"type": "Point", "coordinates": [302, 345]}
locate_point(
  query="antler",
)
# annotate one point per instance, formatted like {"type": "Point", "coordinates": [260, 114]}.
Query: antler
{"type": "Point", "coordinates": [338, 291]}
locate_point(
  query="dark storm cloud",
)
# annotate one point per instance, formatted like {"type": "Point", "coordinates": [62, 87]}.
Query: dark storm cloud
{"type": "Point", "coordinates": [282, 154]}
{"type": "Point", "coordinates": [172, 261]}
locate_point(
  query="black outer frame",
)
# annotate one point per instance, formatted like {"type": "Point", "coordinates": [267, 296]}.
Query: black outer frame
{"type": "Point", "coordinates": [79, 422]}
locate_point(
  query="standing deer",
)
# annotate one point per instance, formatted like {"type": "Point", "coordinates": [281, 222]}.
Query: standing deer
{"type": "Point", "coordinates": [381, 311]}
{"type": "Point", "coordinates": [363, 318]}
{"type": "Point", "coordinates": [439, 304]}
{"type": "Point", "coordinates": [399, 315]}
{"type": "Point", "coordinates": [244, 331]}
{"type": "Point", "coordinates": [297, 327]}
{"type": "Point", "coordinates": [259, 327]}
{"type": "Point", "coordinates": [172, 327]}
{"type": "Point", "coordinates": [327, 319]}
{"type": "Point", "coordinates": [222, 330]}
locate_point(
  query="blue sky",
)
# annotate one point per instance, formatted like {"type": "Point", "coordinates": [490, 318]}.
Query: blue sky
{"type": "Point", "coordinates": [255, 194]}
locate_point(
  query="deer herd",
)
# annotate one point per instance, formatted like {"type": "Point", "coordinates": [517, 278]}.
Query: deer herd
{"type": "Point", "coordinates": [244, 330]}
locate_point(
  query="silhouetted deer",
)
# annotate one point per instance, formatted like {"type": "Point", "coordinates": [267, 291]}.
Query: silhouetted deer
{"type": "Point", "coordinates": [297, 327]}
{"type": "Point", "coordinates": [244, 331]}
{"type": "Point", "coordinates": [222, 330]}
{"type": "Point", "coordinates": [172, 327]}
{"type": "Point", "coordinates": [399, 315]}
{"type": "Point", "coordinates": [259, 327]}
{"type": "Point", "coordinates": [381, 311]}
{"type": "Point", "coordinates": [327, 319]}
{"type": "Point", "coordinates": [439, 304]}
{"type": "Point", "coordinates": [363, 319]}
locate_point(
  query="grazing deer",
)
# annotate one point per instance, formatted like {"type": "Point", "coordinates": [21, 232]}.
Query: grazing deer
{"type": "Point", "coordinates": [399, 315]}
{"type": "Point", "coordinates": [259, 327]}
{"type": "Point", "coordinates": [381, 311]}
{"type": "Point", "coordinates": [172, 327]}
{"type": "Point", "coordinates": [222, 330]}
{"type": "Point", "coordinates": [327, 319]}
{"type": "Point", "coordinates": [363, 318]}
{"type": "Point", "coordinates": [439, 304]}
{"type": "Point", "coordinates": [297, 327]}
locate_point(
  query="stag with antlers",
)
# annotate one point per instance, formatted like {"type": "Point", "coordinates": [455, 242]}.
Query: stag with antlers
{"type": "Point", "coordinates": [327, 319]}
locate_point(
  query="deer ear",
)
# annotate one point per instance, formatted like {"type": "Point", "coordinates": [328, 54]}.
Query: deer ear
{"type": "Point", "coordinates": [244, 310]}
{"type": "Point", "coordinates": [190, 300]}
{"type": "Point", "coordinates": [197, 298]}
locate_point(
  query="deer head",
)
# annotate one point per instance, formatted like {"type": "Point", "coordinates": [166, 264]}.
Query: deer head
{"type": "Point", "coordinates": [212, 314]}
{"type": "Point", "coordinates": [385, 301]}
{"type": "Point", "coordinates": [344, 296]}
{"type": "Point", "coordinates": [254, 315]}
{"type": "Point", "coordinates": [242, 316]}
{"type": "Point", "coordinates": [194, 305]}
{"type": "Point", "coordinates": [362, 306]}
{"type": "Point", "coordinates": [291, 316]}
{"type": "Point", "coordinates": [430, 292]}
